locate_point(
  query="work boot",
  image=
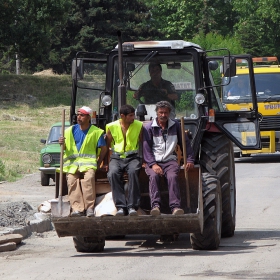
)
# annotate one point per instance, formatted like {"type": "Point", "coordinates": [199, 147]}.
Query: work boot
{"type": "Point", "coordinates": [155, 211]}
{"type": "Point", "coordinates": [90, 212]}
{"type": "Point", "coordinates": [177, 211]}
{"type": "Point", "coordinates": [77, 213]}
{"type": "Point", "coordinates": [132, 212]}
{"type": "Point", "coordinates": [120, 212]}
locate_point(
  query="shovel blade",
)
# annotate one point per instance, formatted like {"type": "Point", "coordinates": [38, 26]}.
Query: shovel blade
{"type": "Point", "coordinates": [60, 208]}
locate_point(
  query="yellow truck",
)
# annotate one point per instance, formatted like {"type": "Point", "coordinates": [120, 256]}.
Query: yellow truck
{"type": "Point", "coordinates": [235, 97]}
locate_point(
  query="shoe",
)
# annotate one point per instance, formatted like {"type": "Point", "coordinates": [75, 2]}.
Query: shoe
{"type": "Point", "coordinates": [155, 211]}
{"type": "Point", "coordinates": [132, 212]}
{"type": "Point", "coordinates": [120, 212]}
{"type": "Point", "coordinates": [77, 214]}
{"type": "Point", "coordinates": [90, 212]}
{"type": "Point", "coordinates": [177, 211]}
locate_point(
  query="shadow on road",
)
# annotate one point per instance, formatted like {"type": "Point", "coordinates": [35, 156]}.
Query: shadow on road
{"type": "Point", "coordinates": [141, 245]}
{"type": "Point", "coordinates": [267, 158]}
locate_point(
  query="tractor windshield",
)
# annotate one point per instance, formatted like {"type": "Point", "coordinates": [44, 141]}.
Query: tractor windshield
{"type": "Point", "coordinates": [161, 78]}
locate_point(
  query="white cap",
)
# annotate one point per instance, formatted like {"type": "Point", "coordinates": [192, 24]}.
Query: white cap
{"type": "Point", "coordinates": [85, 110]}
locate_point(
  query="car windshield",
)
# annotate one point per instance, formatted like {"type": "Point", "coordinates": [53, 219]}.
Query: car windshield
{"type": "Point", "coordinates": [266, 87]}
{"type": "Point", "coordinates": [54, 134]}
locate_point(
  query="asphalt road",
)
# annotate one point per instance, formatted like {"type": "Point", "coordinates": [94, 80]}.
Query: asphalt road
{"type": "Point", "coordinates": [252, 253]}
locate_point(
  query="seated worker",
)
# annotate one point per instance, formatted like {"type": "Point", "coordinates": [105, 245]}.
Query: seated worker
{"type": "Point", "coordinates": [156, 89]}
{"type": "Point", "coordinates": [240, 88]}
{"type": "Point", "coordinates": [81, 143]}
{"type": "Point", "coordinates": [123, 137]}
{"type": "Point", "coordinates": [160, 138]}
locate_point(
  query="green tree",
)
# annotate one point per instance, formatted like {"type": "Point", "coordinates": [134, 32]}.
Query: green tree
{"type": "Point", "coordinates": [213, 41]}
{"type": "Point", "coordinates": [216, 16]}
{"type": "Point", "coordinates": [93, 25]}
{"type": "Point", "coordinates": [30, 28]}
{"type": "Point", "coordinates": [178, 19]}
{"type": "Point", "coordinates": [258, 26]}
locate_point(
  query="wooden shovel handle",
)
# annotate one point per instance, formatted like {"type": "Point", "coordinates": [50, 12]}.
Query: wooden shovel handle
{"type": "Point", "coordinates": [185, 161]}
{"type": "Point", "coordinates": [61, 154]}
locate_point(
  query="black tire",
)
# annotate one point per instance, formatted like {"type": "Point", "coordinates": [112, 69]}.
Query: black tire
{"type": "Point", "coordinates": [237, 155]}
{"type": "Point", "coordinates": [115, 237]}
{"type": "Point", "coordinates": [245, 155]}
{"type": "Point", "coordinates": [217, 158]}
{"type": "Point", "coordinates": [210, 238]}
{"type": "Point", "coordinates": [45, 179]}
{"type": "Point", "coordinates": [169, 237]}
{"type": "Point", "coordinates": [88, 244]}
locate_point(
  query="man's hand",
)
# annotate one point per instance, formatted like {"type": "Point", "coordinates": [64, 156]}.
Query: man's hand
{"type": "Point", "coordinates": [157, 169]}
{"type": "Point", "coordinates": [61, 140]}
{"type": "Point", "coordinates": [189, 166]}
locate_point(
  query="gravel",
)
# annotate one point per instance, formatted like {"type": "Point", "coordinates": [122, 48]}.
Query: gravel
{"type": "Point", "coordinates": [19, 200]}
{"type": "Point", "coordinates": [15, 214]}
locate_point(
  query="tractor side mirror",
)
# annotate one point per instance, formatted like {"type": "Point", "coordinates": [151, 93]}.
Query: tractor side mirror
{"type": "Point", "coordinates": [229, 66]}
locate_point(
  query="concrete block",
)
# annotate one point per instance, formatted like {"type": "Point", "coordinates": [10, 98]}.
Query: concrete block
{"type": "Point", "coordinates": [16, 238]}
{"type": "Point", "coordinates": [8, 247]}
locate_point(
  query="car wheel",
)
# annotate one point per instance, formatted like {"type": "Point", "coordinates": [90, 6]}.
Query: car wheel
{"type": "Point", "coordinates": [45, 179]}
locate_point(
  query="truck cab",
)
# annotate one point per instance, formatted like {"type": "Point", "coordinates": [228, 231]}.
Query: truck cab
{"type": "Point", "coordinates": [267, 79]}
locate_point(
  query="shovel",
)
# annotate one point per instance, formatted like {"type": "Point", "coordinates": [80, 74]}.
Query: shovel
{"type": "Point", "coordinates": [185, 161]}
{"type": "Point", "coordinates": [59, 207]}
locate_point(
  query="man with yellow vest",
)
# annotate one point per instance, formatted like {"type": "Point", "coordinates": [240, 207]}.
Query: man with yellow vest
{"type": "Point", "coordinates": [81, 143]}
{"type": "Point", "coordinates": [123, 137]}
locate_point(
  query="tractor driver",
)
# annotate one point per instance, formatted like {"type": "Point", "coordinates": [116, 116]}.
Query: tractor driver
{"type": "Point", "coordinates": [156, 89]}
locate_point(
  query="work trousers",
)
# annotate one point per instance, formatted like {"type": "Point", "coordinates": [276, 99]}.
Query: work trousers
{"type": "Point", "coordinates": [117, 166]}
{"type": "Point", "coordinates": [170, 171]}
{"type": "Point", "coordinates": [81, 190]}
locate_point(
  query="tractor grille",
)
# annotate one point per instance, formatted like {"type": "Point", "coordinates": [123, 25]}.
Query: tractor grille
{"type": "Point", "coordinates": [270, 123]}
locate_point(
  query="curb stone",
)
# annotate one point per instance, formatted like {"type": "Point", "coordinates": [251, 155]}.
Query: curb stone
{"type": "Point", "coordinates": [41, 224]}
{"type": "Point", "coordinates": [10, 246]}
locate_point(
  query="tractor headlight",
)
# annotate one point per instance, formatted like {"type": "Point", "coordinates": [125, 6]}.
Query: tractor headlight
{"type": "Point", "coordinates": [199, 99]}
{"type": "Point", "coordinates": [106, 100]}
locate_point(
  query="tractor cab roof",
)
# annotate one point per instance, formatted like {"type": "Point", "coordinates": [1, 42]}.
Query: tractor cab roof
{"type": "Point", "coordinates": [170, 44]}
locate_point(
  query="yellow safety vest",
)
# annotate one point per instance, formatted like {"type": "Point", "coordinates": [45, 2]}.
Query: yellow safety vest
{"type": "Point", "coordinates": [84, 159]}
{"type": "Point", "coordinates": [132, 138]}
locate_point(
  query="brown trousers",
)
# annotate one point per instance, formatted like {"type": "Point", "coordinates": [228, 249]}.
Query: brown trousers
{"type": "Point", "coordinates": [81, 190]}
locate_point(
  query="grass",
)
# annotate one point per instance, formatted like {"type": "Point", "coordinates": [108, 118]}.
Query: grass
{"type": "Point", "coordinates": [29, 105]}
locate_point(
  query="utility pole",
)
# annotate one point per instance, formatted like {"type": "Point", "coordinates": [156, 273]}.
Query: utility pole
{"type": "Point", "coordinates": [17, 64]}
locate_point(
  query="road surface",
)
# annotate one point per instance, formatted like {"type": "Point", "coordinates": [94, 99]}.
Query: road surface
{"type": "Point", "coordinates": [252, 253]}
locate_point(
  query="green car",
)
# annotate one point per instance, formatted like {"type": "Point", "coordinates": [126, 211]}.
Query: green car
{"type": "Point", "coordinates": [50, 154]}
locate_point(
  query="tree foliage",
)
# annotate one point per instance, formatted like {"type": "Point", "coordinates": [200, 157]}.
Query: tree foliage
{"type": "Point", "coordinates": [258, 26]}
{"type": "Point", "coordinates": [212, 41]}
{"type": "Point", "coordinates": [32, 28]}
{"type": "Point", "coordinates": [179, 19]}
{"type": "Point", "coordinates": [48, 33]}
{"type": "Point", "coordinates": [93, 25]}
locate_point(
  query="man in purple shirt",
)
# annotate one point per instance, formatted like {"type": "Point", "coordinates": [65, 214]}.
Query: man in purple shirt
{"type": "Point", "coordinates": [160, 138]}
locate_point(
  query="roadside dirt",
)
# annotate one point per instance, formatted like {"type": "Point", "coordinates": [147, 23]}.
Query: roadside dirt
{"type": "Point", "coordinates": [27, 189]}
{"type": "Point", "coordinates": [20, 200]}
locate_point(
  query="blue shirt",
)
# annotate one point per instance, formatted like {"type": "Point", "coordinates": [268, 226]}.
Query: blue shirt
{"type": "Point", "coordinates": [80, 135]}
